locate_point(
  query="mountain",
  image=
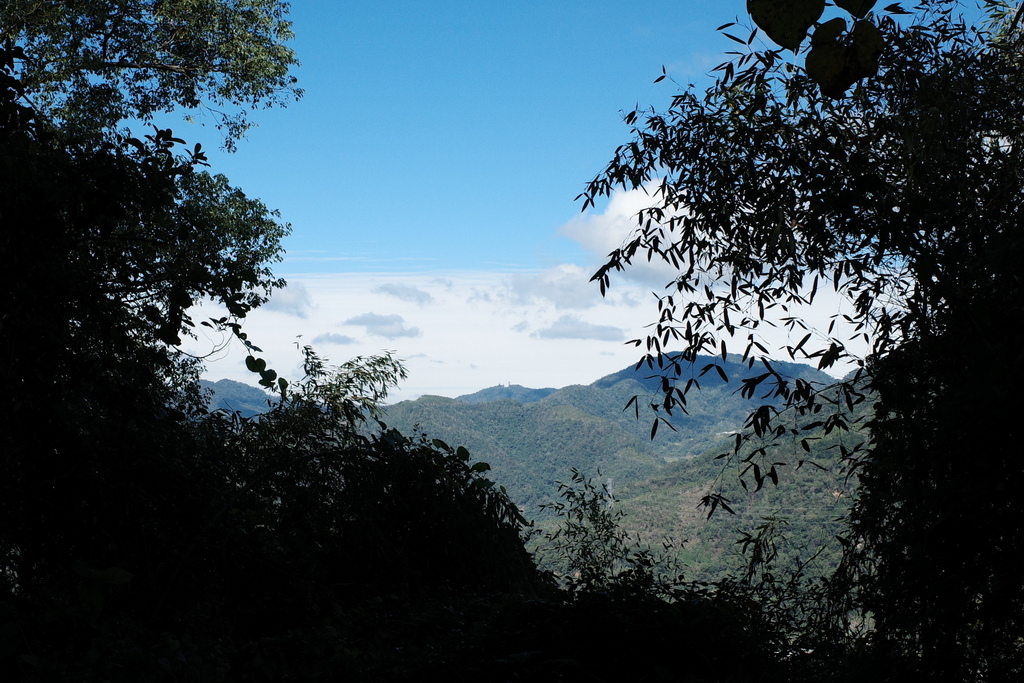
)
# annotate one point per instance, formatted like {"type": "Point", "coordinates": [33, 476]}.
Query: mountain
{"type": "Point", "coordinates": [514, 392]}
{"type": "Point", "coordinates": [230, 395]}
{"type": "Point", "coordinates": [532, 444]}
{"type": "Point", "coordinates": [533, 438]}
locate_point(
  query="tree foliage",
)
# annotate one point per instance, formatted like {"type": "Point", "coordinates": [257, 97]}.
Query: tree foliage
{"type": "Point", "coordinates": [107, 246]}
{"type": "Point", "coordinates": [342, 508]}
{"type": "Point", "coordinates": [589, 552]}
{"type": "Point", "coordinates": [92, 65]}
{"type": "Point", "coordinates": [142, 537]}
{"type": "Point", "coordinates": [903, 197]}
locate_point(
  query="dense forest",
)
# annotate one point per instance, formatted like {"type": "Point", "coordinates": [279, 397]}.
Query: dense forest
{"type": "Point", "coordinates": [145, 537]}
{"type": "Point", "coordinates": [532, 444]}
{"type": "Point", "coordinates": [533, 439]}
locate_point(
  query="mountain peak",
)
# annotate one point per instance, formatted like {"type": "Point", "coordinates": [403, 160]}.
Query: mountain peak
{"type": "Point", "coordinates": [514, 392]}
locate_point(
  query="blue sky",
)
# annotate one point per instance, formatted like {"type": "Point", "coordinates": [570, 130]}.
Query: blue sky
{"type": "Point", "coordinates": [429, 174]}
{"type": "Point", "coordinates": [447, 134]}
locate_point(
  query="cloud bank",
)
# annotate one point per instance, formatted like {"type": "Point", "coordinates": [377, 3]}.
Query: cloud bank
{"type": "Point", "coordinates": [571, 327]}
{"type": "Point", "coordinates": [335, 339]}
{"type": "Point", "coordinates": [461, 331]}
{"type": "Point", "coordinates": [405, 293]}
{"type": "Point", "coordinates": [292, 299]}
{"type": "Point", "coordinates": [387, 326]}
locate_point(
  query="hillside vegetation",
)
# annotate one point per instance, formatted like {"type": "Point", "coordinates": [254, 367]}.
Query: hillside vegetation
{"type": "Point", "coordinates": [532, 445]}
{"type": "Point", "coordinates": [535, 442]}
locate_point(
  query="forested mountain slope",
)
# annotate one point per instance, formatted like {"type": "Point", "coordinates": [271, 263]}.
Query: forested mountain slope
{"type": "Point", "coordinates": [227, 394]}
{"type": "Point", "coordinates": [536, 440]}
{"type": "Point", "coordinates": [532, 445]}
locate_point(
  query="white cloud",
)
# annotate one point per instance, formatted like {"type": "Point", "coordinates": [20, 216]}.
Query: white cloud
{"type": "Point", "coordinates": [405, 293]}
{"type": "Point", "coordinates": [478, 332]}
{"type": "Point", "coordinates": [331, 338]}
{"type": "Point", "coordinates": [388, 326]}
{"type": "Point", "coordinates": [566, 286]}
{"type": "Point", "coordinates": [601, 233]}
{"type": "Point", "coordinates": [293, 299]}
{"type": "Point", "coordinates": [571, 327]}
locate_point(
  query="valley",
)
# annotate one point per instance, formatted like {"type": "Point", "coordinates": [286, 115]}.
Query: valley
{"type": "Point", "coordinates": [533, 439]}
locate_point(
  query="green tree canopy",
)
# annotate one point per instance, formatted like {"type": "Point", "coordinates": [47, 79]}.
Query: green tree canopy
{"type": "Point", "coordinates": [903, 196]}
{"type": "Point", "coordinates": [93, 64]}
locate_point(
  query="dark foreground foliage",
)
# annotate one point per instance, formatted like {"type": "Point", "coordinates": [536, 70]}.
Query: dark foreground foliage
{"type": "Point", "coordinates": [881, 159]}
{"type": "Point", "coordinates": [144, 538]}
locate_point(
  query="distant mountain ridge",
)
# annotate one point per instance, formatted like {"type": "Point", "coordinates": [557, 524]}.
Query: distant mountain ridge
{"type": "Point", "coordinates": [533, 441]}
{"type": "Point", "coordinates": [227, 394]}
{"type": "Point", "coordinates": [513, 392]}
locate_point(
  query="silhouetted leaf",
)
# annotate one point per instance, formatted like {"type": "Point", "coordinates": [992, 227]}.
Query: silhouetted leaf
{"type": "Point", "coordinates": [829, 31]}
{"type": "Point", "coordinates": [868, 45]}
{"type": "Point", "coordinates": [785, 21]}
{"type": "Point", "coordinates": [858, 8]}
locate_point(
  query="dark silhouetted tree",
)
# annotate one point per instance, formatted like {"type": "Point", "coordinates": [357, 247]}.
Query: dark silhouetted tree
{"type": "Point", "coordinates": [886, 165]}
